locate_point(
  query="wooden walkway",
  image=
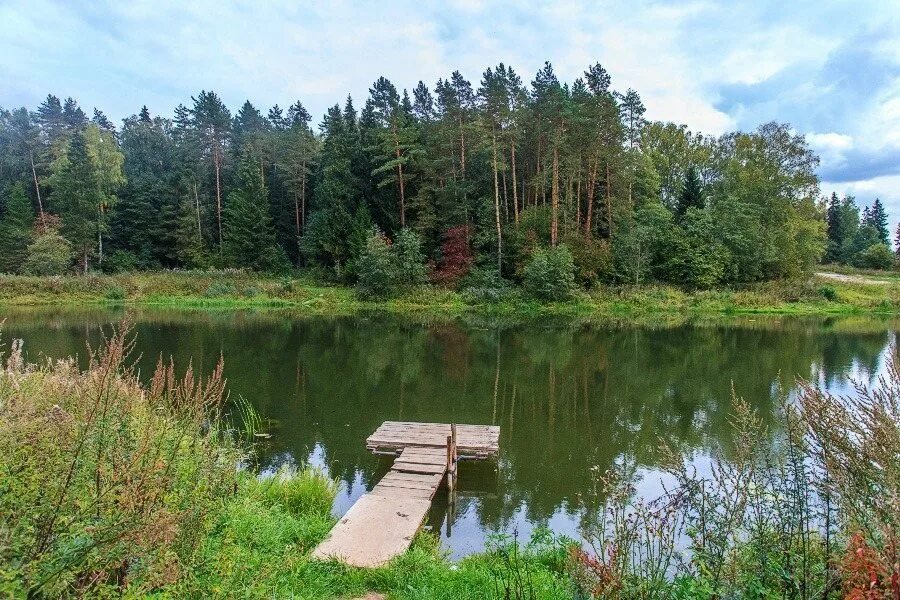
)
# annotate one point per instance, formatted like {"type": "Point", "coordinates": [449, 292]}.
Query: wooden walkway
{"type": "Point", "coordinates": [382, 523]}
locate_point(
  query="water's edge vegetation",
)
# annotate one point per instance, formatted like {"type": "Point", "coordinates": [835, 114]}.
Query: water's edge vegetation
{"type": "Point", "coordinates": [115, 486]}
{"type": "Point", "coordinates": [236, 289]}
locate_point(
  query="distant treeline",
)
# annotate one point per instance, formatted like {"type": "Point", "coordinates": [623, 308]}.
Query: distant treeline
{"type": "Point", "coordinates": [490, 177]}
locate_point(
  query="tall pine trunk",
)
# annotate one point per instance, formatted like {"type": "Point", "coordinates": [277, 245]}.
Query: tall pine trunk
{"type": "Point", "coordinates": [37, 190]}
{"type": "Point", "coordinates": [497, 205]}
{"type": "Point", "coordinates": [397, 155]}
{"type": "Point", "coordinates": [218, 192]}
{"type": "Point", "coordinates": [512, 149]}
{"type": "Point", "coordinates": [554, 199]}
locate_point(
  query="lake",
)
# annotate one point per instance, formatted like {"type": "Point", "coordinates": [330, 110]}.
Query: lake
{"type": "Point", "coordinates": [571, 396]}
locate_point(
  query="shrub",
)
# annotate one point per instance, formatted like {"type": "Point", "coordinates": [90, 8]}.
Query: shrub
{"type": "Point", "coordinates": [378, 270]}
{"type": "Point", "coordinates": [218, 289]}
{"type": "Point", "coordinates": [876, 256]}
{"type": "Point", "coordinates": [410, 260]}
{"type": "Point", "coordinates": [121, 261]}
{"type": "Point", "coordinates": [456, 256]}
{"type": "Point", "coordinates": [810, 516]}
{"type": "Point", "coordinates": [591, 256]}
{"type": "Point", "coordinates": [115, 293]}
{"type": "Point", "coordinates": [484, 284]}
{"type": "Point", "coordinates": [828, 292]}
{"type": "Point", "coordinates": [550, 274]}
{"type": "Point", "coordinates": [49, 254]}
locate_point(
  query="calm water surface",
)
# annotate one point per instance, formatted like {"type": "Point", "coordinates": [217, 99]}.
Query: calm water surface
{"type": "Point", "coordinates": [569, 396]}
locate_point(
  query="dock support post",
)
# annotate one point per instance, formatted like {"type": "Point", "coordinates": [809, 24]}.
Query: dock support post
{"type": "Point", "coordinates": [451, 459]}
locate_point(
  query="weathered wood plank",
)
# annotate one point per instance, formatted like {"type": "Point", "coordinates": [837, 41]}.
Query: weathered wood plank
{"type": "Point", "coordinates": [418, 468]}
{"type": "Point", "coordinates": [375, 529]}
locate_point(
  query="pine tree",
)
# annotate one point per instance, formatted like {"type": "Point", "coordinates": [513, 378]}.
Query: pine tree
{"type": "Point", "coordinates": [15, 230]}
{"type": "Point", "coordinates": [100, 120]}
{"type": "Point", "coordinates": [73, 116]}
{"type": "Point", "coordinates": [249, 233]}
{"type": "Point", "coordinates": [879, 220]}
{"type": "Point", "coordinates": [77, 197]}
{"type": "Point", "coordinates": [211, 121]}
{"type": "Point", "coordinates": [691, 194]}
{"type": "Point", "coordinates": [50, 118]}
{"type": "Point", "coordinates": [396, 141]}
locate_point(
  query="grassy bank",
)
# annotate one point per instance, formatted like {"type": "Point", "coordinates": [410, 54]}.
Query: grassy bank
{"type": "Point", "coordinates": [821, 294]}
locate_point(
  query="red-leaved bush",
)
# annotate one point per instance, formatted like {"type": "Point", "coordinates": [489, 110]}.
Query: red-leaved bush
{"type": "Point", "coordinates": [456, 257]}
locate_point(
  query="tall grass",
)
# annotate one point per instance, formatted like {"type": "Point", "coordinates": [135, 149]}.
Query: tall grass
{"type": "Point", "coordinates": [103, 481]}
{"type": "Point", "coordinates": [816, 514]}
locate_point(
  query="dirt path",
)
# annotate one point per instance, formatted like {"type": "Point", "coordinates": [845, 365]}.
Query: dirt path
{"type": "Point", "coordinates": [864, 279]}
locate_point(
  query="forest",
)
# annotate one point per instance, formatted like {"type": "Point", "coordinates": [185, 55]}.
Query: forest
{"type": "Point", "coordinates": [552, 185]}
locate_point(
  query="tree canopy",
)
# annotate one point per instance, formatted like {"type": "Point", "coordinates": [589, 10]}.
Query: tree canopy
{"type": "Point", "coordinates": [516, 167]}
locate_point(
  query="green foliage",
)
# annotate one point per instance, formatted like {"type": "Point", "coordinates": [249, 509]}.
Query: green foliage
{"type": "Point", "coordinates": [103, 477]}
{"type": "Point", "coordinates": [48, 254]}
{"type": "Point", "coordinates": [220, 289]}
{"type": "Point", "coordinates": [644, 242]}
{"type": "Point", "coordinates": [592, 258]}
{"type": "Point", "coordinates": [249, 234]}
{"type": "Point", "coordinates": [876, 256]}
{"type": "Point", "coordinates": [378, 268]}
{"type": "Point", "coordinates": [121, 261]}
{"type": "Point", "coordinates": [691, 194]}
{"type": "Point", "coordinates": [15, 230]}
{"type": "Point", "coordinates": [300, 493]}
{"type": "Point", "coordinates": [410, 259]}
{"type": "Point", "coordinates": [550, 274]}
{"type": "Point", "coordinates": [828, 292]}
{"type": "Point", "coordinates": [696, 258]}
{"type": "Point", "coordinates": [508, 162]}
{"type": "Point", "coordinates": [115, 293]}
{"type": "Point", "coordinates": [386, 268]}
{"type": "Point", "coordinates": [484, 284]}
{"type": "Point", "coordinates": [77, 196]}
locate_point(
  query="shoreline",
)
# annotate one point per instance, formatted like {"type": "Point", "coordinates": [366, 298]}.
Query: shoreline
{"type": "Point", "coordinates": [819, 295]}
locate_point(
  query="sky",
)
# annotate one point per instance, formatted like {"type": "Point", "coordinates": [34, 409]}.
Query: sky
{"type": "Point", "coordinates": [829, 68]}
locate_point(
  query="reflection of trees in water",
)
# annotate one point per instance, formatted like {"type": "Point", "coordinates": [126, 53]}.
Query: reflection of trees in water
{"type": "Point", "coordinates": [568, 396]}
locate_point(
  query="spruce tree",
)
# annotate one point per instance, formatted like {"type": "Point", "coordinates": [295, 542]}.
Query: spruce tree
{"type": "Point", "coordinates": [15, 230]}
{"type": "Point", "coordinates": [248, 231]}
{"type": "Point", "coordinates": [691, 194]}
{"type": "Point", "coordinates": [77, 197]}
{"type": "Point", "coordinates": [878, 219]}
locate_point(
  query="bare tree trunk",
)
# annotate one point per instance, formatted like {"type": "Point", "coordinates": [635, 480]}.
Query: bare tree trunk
{"type": "Point", "coordinates": [400, 179]}
{"type": "Point", "coordinates": [591, 188]}
{"type": "Point", "coordinates": [303, 195]}
{"type": "Point", "coordinates": [609, 214]}
{"type": "Point", "coordinates": [37, 190]}
{"type": "Point", "coordinates": [554, 199]}
{"type": "Point", "coordinates": [218, 193]}
{"type": "Point", "coordinates": [197, 202]}
{"type": "Point", "coordinates": [497, 205]}
{"type": "Point", "coordinates": [512, 148]}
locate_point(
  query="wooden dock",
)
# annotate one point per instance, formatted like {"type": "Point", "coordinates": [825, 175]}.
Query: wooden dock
{"type": "Point", "coordinates": [382, 523]}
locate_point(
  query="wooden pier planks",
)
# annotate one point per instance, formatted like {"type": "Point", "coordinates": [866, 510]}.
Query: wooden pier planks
{"type": "Point", "coordinates": [473, 441]}
{"type": "Point", "coordinates": [382, 523]}
{"type": "Point", "coordinates": [375, 529]}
